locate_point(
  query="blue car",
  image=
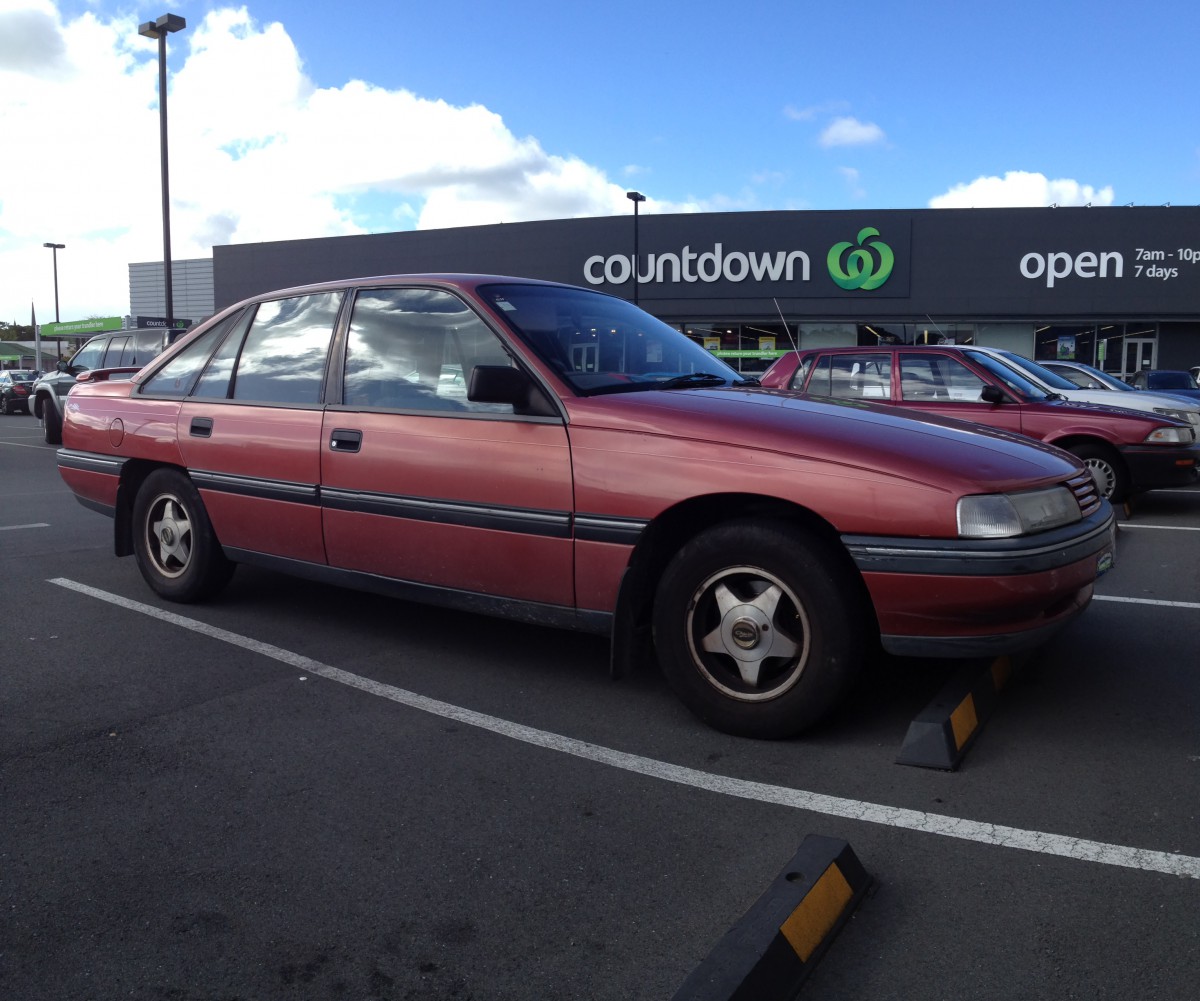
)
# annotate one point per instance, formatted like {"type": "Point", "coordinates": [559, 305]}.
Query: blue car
{"type": "Point", "coordinates": [1177, 382]}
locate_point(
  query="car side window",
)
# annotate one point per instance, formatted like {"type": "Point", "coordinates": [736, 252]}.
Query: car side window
{"type": "Point", "coordinates": [88, 357]}
{"type": "Point", "coordinates": [414, 349]}
{"type": "Point", "coordinates": [175, 378]}
{"type": "Point", "coordinates": [857, 376]}
{"type": "Point", "coordinates": [924, 378]}
{"type": "Point", "coordinates": [117, 353]}
{"type": "Point", "coordinates": [282, 360]}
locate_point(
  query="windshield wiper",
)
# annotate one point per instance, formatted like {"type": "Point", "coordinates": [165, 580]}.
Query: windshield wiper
{"type": "Point", "coordinates": [748, 380]}
{"type": "Point", "coordinates": [692, 379]}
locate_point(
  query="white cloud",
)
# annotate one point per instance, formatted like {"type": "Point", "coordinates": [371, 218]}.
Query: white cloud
{"type": "Point", "coordinates": [1020, 188]}
{"type": "Point", "coordinates": [257, 152]}
{"type": "Point", "coordinates": [850, 132]}
{"type": "Point", "coordinates": [853, 180]}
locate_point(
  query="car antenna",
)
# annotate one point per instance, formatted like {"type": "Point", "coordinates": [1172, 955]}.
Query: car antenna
{"type": "Point", "coordinates": [786, 329]}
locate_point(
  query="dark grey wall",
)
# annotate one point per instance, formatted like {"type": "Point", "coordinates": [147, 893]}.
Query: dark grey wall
{"type": "Point", "coordinates": [949, 264]}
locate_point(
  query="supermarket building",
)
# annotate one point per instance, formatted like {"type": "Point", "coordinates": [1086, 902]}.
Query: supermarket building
{"type": "Point", "coordinates": [1117, 287]}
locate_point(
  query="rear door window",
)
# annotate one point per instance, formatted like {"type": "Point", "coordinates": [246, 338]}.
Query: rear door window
{"type": "Point", "coordinates": [282, 359]}
{"type": "Point", "coordinates": [853, 377]}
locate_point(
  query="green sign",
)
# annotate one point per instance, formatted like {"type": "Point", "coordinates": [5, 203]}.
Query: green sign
{"type": "Point", "coordinates": [865, 267]}
{"type": "Point", "coordinates": [82, 326]}
{"type": "Point", "coordinates": [748, 354]}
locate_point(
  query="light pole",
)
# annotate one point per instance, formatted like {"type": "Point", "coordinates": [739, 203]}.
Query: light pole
{"type": "Point", "coordinates": [54, 249]}
{"type": "Point", "coordinates": [637, 198]}
{"type": "Point", "coordinates": [159, 29]}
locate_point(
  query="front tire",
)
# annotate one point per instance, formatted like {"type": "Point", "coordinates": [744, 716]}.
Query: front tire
{"type": "Point", "coordinates": [53, 423]}
{"type": "Point", "coordinates": [1106, 467]}
{"type": "Point", "coordinates": [759, 627]}
{"type": "Point", "coordinates": [177, 551]}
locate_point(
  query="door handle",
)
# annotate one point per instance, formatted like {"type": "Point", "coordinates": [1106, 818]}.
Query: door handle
{"type": "Point", "coordinates": [345, 440]}
{"type": "Point", "coordinates": [201, 427]}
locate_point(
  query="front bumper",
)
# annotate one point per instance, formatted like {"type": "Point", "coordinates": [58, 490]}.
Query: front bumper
{"type": "Point", "coordinates": [962, 597]}
{"type": "Point", "coordinates": [1154, 466]}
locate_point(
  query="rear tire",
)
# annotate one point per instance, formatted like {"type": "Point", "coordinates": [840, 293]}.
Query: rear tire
{"type": "Point", "coordinates": [759, 627]}
{"type": "Point", "coordinates": [177, 551]}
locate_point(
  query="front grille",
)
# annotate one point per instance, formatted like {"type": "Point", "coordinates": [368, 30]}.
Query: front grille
{"type": "Point", "coordinates": [1086, 494]}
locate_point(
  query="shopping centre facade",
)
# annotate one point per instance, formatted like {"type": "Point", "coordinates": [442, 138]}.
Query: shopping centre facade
{"type": "Point", "coordinates": [1117, 287]}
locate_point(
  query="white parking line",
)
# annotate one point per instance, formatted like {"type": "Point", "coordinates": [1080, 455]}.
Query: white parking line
{"type": "Point", "coordinates": [913, 820]}
{"type": "Point", "coordinates": [13, 528]}
{"type": "Point", "coordinates": [1162, 528]}
{"type": "Point", "coordinates": [1146, 601]}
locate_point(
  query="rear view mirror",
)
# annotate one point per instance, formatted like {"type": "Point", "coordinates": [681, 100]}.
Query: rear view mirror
{"type": "Point", "coordinates": [992, 394]}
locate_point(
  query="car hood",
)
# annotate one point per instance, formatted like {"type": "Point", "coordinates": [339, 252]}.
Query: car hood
{"type": "Point", "coordinates": [955, 454]}
{"type": "Point", "coordinates": [1142, 400]}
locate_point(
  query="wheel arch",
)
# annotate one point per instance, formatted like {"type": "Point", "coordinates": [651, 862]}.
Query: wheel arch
{"type": "Point", "coordinates": [631, 640]}
{"type": "Point", "coordinates": [133, 475]}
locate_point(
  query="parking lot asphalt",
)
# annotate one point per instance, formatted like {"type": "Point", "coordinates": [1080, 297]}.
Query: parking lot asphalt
{"type": "Point", "coordinates": [300, 792]}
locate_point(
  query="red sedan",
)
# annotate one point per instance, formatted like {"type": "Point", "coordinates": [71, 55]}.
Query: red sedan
{"type": "Point", "coordinates": [553, 454]}
{"type": "Point", "coordinates": [1128, 451]}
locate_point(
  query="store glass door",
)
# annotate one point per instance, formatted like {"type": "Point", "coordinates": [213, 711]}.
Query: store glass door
{"type": "Point", "coordinates": [1139, 354]}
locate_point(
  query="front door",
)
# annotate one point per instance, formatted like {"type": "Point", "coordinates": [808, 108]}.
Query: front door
{"type": "Point", "coordinates": [418, 483]}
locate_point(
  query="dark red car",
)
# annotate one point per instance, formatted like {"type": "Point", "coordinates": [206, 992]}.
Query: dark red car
{"type": "Point", "coordinates": [1128, 451]}
{"type": "Point", "coordinates": [553, 454]}
{"type": "Point", "coordinates": [15, 384]}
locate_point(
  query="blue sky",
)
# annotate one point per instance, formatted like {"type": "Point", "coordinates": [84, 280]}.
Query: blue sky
{"type": "Point", "coordinates": [291, 120]}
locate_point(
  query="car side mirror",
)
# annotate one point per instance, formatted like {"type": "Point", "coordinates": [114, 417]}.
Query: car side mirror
{"type": "Point", "coordinates": [62, 366]}
{"type": "Point", "coordinates": [992, 394]}
{"type": "Point", "coordinates": [505, 384]}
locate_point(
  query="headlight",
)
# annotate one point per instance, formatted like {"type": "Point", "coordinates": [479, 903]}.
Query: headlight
{"type": "Point", "coordinates": [1171, 436]}
{"type": "Point", "coordinates": [1191, 416]}
{"type": "Point", "coordinates": [1000, 516]}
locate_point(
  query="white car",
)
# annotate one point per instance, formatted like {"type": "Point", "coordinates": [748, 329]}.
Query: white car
{"type": "Point", "coordinates": [1099, 388]}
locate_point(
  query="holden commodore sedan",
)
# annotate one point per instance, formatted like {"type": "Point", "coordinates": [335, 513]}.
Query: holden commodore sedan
{"type": "Point", "coordinates": [556, 455]}
{"type": "Point", "coordinates": [1127, 451]}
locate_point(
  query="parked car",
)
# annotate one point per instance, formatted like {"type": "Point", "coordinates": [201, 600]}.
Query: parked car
{"type": "Point", "coordinates": [601, 472]}
{"type": "Point", "coordinates": [1177, 382]}
{"type": "Point", "coordinates": [1093, 386]}
{"type": "Point", "coordinates": [1090, 377]}
{"type": "Point", "coordinates": [15, 384]}
{"type": "Point", "coordinates": [1126, 450]}
{"type": "Point", "coordinates": [129, 349]}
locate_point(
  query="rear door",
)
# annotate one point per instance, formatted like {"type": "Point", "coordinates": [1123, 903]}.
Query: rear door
{"type": "Point", "coordinates": [420, 484]}
{"type": "Point", "coordinates": [250, 428]}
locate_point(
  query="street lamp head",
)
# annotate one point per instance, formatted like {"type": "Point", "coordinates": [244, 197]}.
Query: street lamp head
{"type": "Point", "coordinates": [635, 196]}
{"type": "Point", "coordinates": [54, 246]}
{"type": "Point", "coordinates": [162, 26]}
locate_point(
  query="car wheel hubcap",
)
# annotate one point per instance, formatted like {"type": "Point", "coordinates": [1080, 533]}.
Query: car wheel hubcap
{"type": "Point", "coordinates": [748, 634]}
{"type": "Point", "coordinates": [1103, 474]}
{"type": "Point", "coordinates": [170, 535]}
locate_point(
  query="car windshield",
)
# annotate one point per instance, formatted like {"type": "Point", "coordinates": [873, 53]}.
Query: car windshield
{"type": "Point", "coordinates": [1032, 368]}
{"type": "Point", "coordinates": [1106, 380]}
{"type": "Point", "coordinates": [601, 344]}
{"type": "Point", "coordinates": [1170, 380]}
{"type": "Point", "coordinates": [1012, 377]}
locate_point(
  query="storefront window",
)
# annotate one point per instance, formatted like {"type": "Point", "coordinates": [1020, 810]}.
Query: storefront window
{"type": "Point", "coordinates": [747, 348]}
